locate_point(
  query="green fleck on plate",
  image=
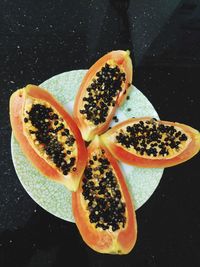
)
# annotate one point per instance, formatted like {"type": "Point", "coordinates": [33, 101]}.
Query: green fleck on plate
{"type": "Point", "coordinates": [54, 197]}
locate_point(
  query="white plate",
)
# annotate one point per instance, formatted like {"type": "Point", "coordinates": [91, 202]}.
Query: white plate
{"type": "Point", "coordinates": [54, 197]}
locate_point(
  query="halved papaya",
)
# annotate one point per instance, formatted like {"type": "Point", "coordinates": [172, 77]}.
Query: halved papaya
{"type": "Point", "coordinates": [48, 136]}
{"type": "Point", "coordinates": [102, 205]}
{"type": "Point", "coordinates": [102, 90]}
{"type": "Point", "coordinates": [146, 142]}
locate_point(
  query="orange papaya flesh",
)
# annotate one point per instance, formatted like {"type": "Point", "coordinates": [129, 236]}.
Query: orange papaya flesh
{"type": "Point", "coordinates": [146, 142]}
{"type": "Point", "coordinates": [102, 90]}
{"type": "Point", "coordinates": [102, 205]}
{"type": "Point", "coordinates": [48, 136]}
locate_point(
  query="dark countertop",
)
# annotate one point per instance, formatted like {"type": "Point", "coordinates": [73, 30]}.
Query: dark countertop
{"type": "Point", "coordinates": [39, 39]}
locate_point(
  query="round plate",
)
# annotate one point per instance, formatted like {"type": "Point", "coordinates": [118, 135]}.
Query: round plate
{"type": "Point", "coordinates": [54, 197]}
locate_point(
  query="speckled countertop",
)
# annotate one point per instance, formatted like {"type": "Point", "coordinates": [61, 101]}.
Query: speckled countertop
{"type": "Point", "coordinates": [39, 39]}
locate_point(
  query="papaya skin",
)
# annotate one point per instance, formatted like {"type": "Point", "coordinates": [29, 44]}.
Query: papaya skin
{"type": "Point", "coordinates": [17, 101]}
{"type": "Point", "coordinates": [122, 59]}
{"type": "Point", "coordinates": [121, 241]}
{"type": "Point", "coordinates": [125, 156]}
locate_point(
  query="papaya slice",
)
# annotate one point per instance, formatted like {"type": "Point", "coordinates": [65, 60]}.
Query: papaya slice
{"type": "Point", "coordinates": [102, 90]}
{"type": "Point", "coordinates": [48, 136]}
{"type": "Point", "coordinates": [102, 205]}
{"type": "Point", "coordinates": [146, 142]}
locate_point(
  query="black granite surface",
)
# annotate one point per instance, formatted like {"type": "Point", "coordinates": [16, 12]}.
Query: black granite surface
{"type": "Point", "coordinates": [39, 39]}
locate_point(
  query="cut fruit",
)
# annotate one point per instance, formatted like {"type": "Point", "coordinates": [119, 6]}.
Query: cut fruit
{"type": "Point", "coordinates": [102, 206]}
{"type": "Point", "coordinates": [146, 142]}
{"type": "Point", "coordinates": [47, 135]}
{"type": "Point", "coordinates": [102, 90]}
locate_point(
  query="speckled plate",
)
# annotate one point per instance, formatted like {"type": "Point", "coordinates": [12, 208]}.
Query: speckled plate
{"type": "Point", "coordinates": [54, 197]}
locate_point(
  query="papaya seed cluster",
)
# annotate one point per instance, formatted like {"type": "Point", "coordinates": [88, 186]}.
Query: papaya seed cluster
{"type": "Point", "coordinates": [152, 138]}
{"type": "Point", "coordinates": [102, 194]}
{"type": "Point", "coordinates": [102, 93]}
{"type": "Point", "coordinates": [51, 136]}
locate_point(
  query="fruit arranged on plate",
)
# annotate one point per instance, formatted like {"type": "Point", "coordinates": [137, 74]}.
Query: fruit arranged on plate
{"type": "Point", "coordinates": [102, 205]}
{"type": "Point", "coordinates": [51, 139]}
{"type": "Point", "coordinates": [48, 135]}
{"type": "Point", "coordinates": [102, 90]}
{"type": "Point", "coordinates": [147, 142]}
